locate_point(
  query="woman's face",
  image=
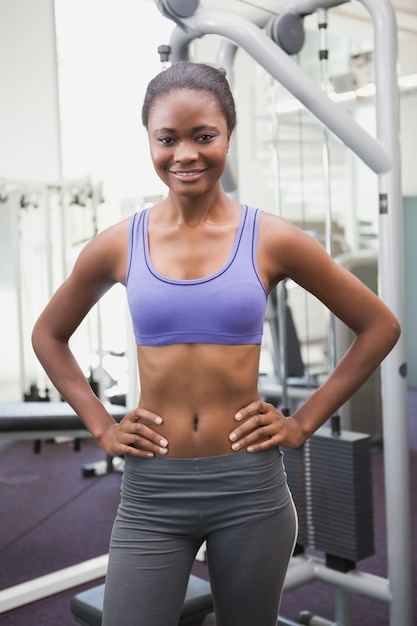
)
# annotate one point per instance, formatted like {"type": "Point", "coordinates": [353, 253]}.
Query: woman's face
{"type": "Point", "coordinates": [188, 140]}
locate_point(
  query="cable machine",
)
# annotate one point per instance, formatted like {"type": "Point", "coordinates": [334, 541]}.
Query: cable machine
{"type": "Point", "coordinates": [254, 33]}
{"type": "Point", "coordinates": [40, 216]}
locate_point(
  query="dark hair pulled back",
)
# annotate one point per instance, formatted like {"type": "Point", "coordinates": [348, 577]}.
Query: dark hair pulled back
{"type": "Point", "coordinates": [195, 77]}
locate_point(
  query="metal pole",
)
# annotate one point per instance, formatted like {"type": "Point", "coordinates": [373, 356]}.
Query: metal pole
{"type": "Point", "coordinates": [225, 59]}
{"type": "Point", "coordinates": [49, 249]}
{"type": "Point", "coordinates": [304, 570]}
{"type": "Point", "coordinates": [15, 215]}
{"type": "Point", "coordinates": [280, 304]}
{"type": "Point", "coordinates": [343, 600]}
{"type": "Point", "coordinates": [323, 58]}
{"type": "Point", "coordinates": [391, 270]}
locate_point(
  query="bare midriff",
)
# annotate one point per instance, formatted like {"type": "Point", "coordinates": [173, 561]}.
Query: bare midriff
{"type": "Point", "coordinates": [197, 389]}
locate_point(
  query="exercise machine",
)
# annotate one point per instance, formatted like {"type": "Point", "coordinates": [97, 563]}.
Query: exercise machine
{"type": "Point", "coordinates": [87, 606]}
{"type": "Point", "coordinates": [382, 156]}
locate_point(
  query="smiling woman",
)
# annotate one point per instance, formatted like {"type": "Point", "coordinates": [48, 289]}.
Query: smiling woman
{"type": "Point", "coordinates": [189, 130]}
{"type": "Point", "coordinates": [188, 139]}
{"type": "Point", "coordinates": [203, 459]}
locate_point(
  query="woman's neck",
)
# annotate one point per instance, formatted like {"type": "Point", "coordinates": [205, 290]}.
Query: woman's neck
{"type": "Point", "coordinates": [194, 211]}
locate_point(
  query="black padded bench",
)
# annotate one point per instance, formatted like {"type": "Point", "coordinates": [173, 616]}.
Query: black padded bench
{"type": "Point", "coordinates": [40, 421]}
{"type": "Point", "coordinates": [87, 606]}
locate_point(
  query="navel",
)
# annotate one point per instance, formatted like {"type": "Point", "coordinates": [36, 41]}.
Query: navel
{"type": "Point", "coordinates": [195, 422]}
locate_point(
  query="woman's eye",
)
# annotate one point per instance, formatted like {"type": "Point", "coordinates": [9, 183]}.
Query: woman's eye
{"type": "Point", "coordinates": [205, 137]}
{"type": "Point", "coordinates": [166, 141]}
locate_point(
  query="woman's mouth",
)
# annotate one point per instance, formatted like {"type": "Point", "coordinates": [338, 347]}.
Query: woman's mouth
{"type": "Point", "coordinates": [186, 175]}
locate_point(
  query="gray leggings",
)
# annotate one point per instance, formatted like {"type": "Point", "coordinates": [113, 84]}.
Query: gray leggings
{"type": "Point", "coordinates": [238, 503]}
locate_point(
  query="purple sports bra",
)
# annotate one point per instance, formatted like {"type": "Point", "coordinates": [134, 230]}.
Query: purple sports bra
{"type": "Point", "coordinates": [227, 307]}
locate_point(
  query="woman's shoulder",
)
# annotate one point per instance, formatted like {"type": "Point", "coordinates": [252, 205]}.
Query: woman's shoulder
{"type": "Point", "coordinates": [112, 235]}
{"type": "Point", "coordinates": [273, 227]}
{"type": "Point", "coordinates": [284, 244]}
{"type": "Point", "coordinates": [106, 252]}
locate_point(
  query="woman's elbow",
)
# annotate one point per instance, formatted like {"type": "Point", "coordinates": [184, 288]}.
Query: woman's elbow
{"type": "Point", "coordinates": [395, 331]}
{"type": "Point", "coordinates": [390, 332]}
{"type": "Point", "coordinates": [37, 338]}
{"type": "Point", "coordinates": [40, 338]}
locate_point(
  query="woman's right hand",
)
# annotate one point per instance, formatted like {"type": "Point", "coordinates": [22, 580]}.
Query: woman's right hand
{"type": "Point", "coordinates": [132, 435]}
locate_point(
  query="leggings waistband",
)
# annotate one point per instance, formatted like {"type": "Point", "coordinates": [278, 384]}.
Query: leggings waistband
{"type": "Point", "coordinates": [220, 463]}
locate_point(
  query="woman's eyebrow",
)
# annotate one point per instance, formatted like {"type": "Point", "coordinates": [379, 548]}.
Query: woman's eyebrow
{"type": "Point", "coordinates": [195, 129]}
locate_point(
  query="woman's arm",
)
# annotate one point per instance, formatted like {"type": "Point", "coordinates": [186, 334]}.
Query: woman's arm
{"type": "Point", "coordinates": [100, 265]}
{"type": "Point", "coordinates": [289, 252]}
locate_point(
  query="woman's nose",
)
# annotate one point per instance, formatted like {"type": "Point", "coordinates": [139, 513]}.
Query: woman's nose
{"type": "Point", "coordinates": [185, 151]}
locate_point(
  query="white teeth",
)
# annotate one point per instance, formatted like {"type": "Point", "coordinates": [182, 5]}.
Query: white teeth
{"type": "Point", "coordinates": [185, 173]}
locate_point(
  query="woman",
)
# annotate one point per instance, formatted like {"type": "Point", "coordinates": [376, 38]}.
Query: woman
{"type": "Point", "coordinates": [202, 451]}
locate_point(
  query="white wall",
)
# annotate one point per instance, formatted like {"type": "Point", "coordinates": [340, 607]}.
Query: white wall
{"type": "Point", "coordinates": [107, 54]}
{"type": "Point", "coordinates": [29, 141]}
{"type": "Point", "coordinates": [29, 119]}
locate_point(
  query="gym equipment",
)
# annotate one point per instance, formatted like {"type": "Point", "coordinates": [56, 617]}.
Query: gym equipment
{"type": "Point", "coordinates": [38, 217]}
{"type": "Point", "coordinates": [40, 421]}
{"type": "Point", "coordinates": [382, 155]}
{"type": "Point", "coordinates": [45, 421]}
{"type": "Point", "coordinates": [287, 30]}
{"type": "Point", "coordinates": [87, 606]}
{"type": "Point", "coordinates": [331, 482]}
{"type": "Point", "coordinates": [177, 9]}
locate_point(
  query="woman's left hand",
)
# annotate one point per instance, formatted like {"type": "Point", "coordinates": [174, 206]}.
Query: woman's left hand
{"type": "Point", "coordinates": [262, 426]}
